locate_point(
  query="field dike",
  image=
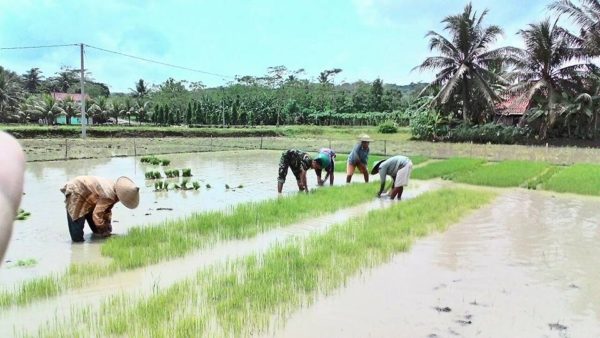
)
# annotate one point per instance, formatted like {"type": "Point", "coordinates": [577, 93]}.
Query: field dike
{"type": "Point", "coordinates": [245, 296]}
{"type": "Point", "coordinates": [149, 245]}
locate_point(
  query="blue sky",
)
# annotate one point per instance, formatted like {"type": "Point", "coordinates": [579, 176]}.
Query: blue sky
{"type": "Point", "coordinates": [365, 38]}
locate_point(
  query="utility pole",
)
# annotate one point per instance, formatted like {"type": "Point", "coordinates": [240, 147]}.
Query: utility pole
{"type": "Point", "coordinates": [83, 118]}
{"type": "Point", "coordinates": [223, 105]}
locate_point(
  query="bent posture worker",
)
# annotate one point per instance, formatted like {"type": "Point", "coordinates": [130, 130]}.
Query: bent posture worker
{"type": "Point", "coordinates": [399, 168]}
{"type": "Point", "coordinates": [91, 199]}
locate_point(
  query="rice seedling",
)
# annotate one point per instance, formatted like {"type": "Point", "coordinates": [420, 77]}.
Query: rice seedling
{"type": "Point", "coordinates": [579, 179]}
{"type": "Point", "coordinates": [187, 172]}
{"type": "Point", "coordinates": [172, 173]}
{"type": "Point", "coordinates": [503, 174]}
{"type": "Point", "coordinates": [208, 186]}
{"type": "Point", "coordinates": [227, 186]}
{"type": "Point", "coordinates": [446, 168]}
{"type": "Point", "coordinates": [540, 180]}
{"type": "Point", "coordinates": [165, 162]}
{"type": "Point", "coordinates": [175, 238]}
{"type": "Point", "coordinates": [155, 160]}
{"type": "Point", "coordinates": [196, 185]}
{"type": "Point", "coordinates": [152, 175]}
{"type": "Point", "coordinates": [243, 297]}
{"type": "Point", "coordinates": [240, 186]}
{"type": "Point", "coordinates": [25, 263]}
{"type": "Point", "coordinates": [22, 215]}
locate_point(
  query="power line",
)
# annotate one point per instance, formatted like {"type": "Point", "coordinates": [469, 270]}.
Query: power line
{"type": "Point", "coordinates": [43, 46]}
{"type": "Point", "coordinates": [160, 62]}
{"type": "Point", "coordinates": [222, 76]}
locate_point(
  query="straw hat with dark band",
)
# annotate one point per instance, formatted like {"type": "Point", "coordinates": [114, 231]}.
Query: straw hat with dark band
{"type": "Point", "coordinates": [376, 167]}
{"type": "Point", "coordinates": [364, 138]}
{"type": "Point", "coordinates": [127, 192]}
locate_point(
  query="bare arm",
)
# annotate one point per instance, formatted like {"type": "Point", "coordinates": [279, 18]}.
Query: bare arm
{"type": "Point", "coordinates": [303, 180]}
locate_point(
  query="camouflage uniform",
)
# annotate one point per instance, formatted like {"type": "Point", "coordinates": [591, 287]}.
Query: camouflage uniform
{"type": "Point", "coordinates": [295, 160]}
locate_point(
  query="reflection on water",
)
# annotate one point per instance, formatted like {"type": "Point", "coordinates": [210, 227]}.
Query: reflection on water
{"type": "Point", "coordinates": [509, 270]}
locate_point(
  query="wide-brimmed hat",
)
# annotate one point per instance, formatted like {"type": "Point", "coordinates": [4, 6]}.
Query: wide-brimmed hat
{"type": "Point", "coordinates": [127, 192]}
{"type": "Point", "coordinates": [376, 167]}
{"type": "Point", "coordinates": [364, 138]}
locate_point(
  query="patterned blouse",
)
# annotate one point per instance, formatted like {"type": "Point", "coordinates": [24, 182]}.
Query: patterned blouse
{"type": "Point", "coordinates": [85, 194]}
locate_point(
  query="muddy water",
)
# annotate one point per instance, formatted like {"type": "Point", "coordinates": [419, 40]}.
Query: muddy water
{"type": "Point", "coordinates": [527, 266]}
{"type": "Point", "coordinates": [143, 281]}
{"type": "Point", "coordinates": [45, 237]}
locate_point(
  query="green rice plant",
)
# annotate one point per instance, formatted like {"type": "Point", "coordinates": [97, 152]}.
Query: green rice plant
{"type": "Point", "coordinates": [147, 159]}
{"type": "Point", "coordinates": [503, 174]}
{"type": "Point", "coordinates": [25, 263]}
{"type": "Point", "coordinates": [243, 297]}
{"type": "Point", "coordinates": [208, 186]}
{"type": "Point", "coordinates": [184, 184]}
{"type": "Point", "coordinates": [151, 175]}
{"type": "Point", "coordinates": [155, 161]}
{"type": "Point", "coordinates": [240, 186]}
{"type": "Point", "coordinates": [172, 173]}
{"type": "Point", "coordinates": [227, 186]}
{"type": "Point", "coordinates": [579, 179]}
{"type": "Point", "coordinates": [542, 178]}
{"type": "Point", "coordinates": [147, 245]}
{"type": "Point", "coordinates": [22, 215]}
{"type": "Point", "coordinates": [165, 162]}
{"type": "Point", "coordinates": [445, 168]}
{"type": "Point", "coordinates": [196, 185]}
{"type": "Point", "coordinates": [175, 238]}
{"type": "Point", "coordinates": [187, 172]}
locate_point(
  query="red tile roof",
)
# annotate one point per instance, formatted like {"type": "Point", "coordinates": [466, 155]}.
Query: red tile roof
{"type": "Point", "coordinates": [513, 105]}
{"type": "Point", "coordinates": [64, 96]}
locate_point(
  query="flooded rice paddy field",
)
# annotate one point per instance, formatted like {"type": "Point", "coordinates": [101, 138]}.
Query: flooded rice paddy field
{"type": "Point", "coordinates": [522, 266]}
{"type": "Point", "coordinates": [60, 149]}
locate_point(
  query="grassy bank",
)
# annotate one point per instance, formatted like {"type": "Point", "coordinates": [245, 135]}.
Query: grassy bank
{"type": "Point", "coordinates": [503, 174]}
{"type": "Point", "coordinates": [125, 130]}
{"type": "Point", "coordinates": [148, 245]}
{"type": "Point", "coordinates": [445, 168]}
{"type": "Point", "coordinates": [579, 179]}
{"type": "Point", "coordinates": [242, 298]}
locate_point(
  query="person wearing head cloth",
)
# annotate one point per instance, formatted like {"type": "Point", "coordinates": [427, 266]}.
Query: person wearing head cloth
{"type": "Point", "coordinates": [300, 162]}
{"type": "Point", "coordinates": [359, 157]}
{"type": "Point", "coordinates": [328, 164]}
{"type": "Point", "coordinates": [399, 168]}
{"type": "Point", "coordinates": [91, 199]}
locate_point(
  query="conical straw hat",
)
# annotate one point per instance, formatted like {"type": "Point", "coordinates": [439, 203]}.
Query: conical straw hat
{"type": "Point", "coordinates": [127, 192]}
{"type": "Point", "coordinates": [364, 138]}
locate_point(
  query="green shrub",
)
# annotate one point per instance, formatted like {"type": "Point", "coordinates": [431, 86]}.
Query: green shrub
{"type": "Point", "coordinates": [388, 128]}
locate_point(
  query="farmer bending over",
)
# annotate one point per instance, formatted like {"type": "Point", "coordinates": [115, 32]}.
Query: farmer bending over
{"type": "Point", "coordinates": [359, 157]}
{"type": "Point", "coordinates": [299, 162]}
{"type": "Point", "coordinates": [399, 168]}
{"type": "Point", "coordinates": [328, 156]}
{"type": "Point", "coordinates": [91, 198]}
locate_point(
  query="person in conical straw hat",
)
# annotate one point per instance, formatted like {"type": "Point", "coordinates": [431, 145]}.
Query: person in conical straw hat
{"type": "Point", "coordinates": [359, 157]}
{"type": "Point", "coordinates": [91, 199]}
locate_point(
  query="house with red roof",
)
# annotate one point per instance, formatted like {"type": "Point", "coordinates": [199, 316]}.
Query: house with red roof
{"type": "Point", "coordinates": [511, 110]}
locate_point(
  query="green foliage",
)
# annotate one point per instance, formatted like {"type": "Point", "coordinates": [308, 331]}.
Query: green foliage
{"type": "Point", "coordinates": [247, 294]}
{"type": "Point", "coordinates": [445, 168]}
{"type": "Point", "coordinates": [541, 179]}
{"type": "Point", "coordinates": [25, 263]}
{"type": "Point", "coordinates": [489, 133]}
{"type": "Point", "coordinates": [579, 179]}
{"type": "Point", "coordinates": [152, 175]}
{"type": "Point", "coordinates": [196, 185]}
{"type": "Point", "coordinates": [172, 173]}
{"type": "Point", "coordinates": [503, 174]}
{"type": "Point", "coordinates": [187, 172]}
{"type": "Point", "coordinates": [388, 128]}
{"type": "Point", "coordinates": [22, 215]}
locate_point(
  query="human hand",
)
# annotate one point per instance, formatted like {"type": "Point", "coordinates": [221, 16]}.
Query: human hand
{"type": "Point", "coordinates": [12, 171]}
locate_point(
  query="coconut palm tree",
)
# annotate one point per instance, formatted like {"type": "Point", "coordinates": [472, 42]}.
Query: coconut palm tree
{"type": "Point", "coordinates": [11, 93]}
{"type": "Point", "coordinates": [48, 107]}
{"type": "Point", "coordinates": [587, 17]}
{"type": "Point", "coordinates": [32, 80]}
{"type": "Point", "coordinates": [464, 64]}
{"type": "Point", "coordinates": [549, 68]}
{"type": "Point", "coordinates": [99, 109]}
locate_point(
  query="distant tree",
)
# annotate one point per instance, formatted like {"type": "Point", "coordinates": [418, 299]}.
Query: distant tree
{"type": "Point", "coordinates": [587, 16]}
{"type": "Point", "coordinates": [32, 80]}
{"type": "Point", "coordinates": [11, 94]}
{"type": "Point", "coordinates": [141, 90]}
{"type": "Point", "coordinates": [377, 95]}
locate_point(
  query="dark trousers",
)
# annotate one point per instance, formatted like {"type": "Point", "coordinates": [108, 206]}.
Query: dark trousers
{"type": "Point", "coordinates": [76, 226]}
